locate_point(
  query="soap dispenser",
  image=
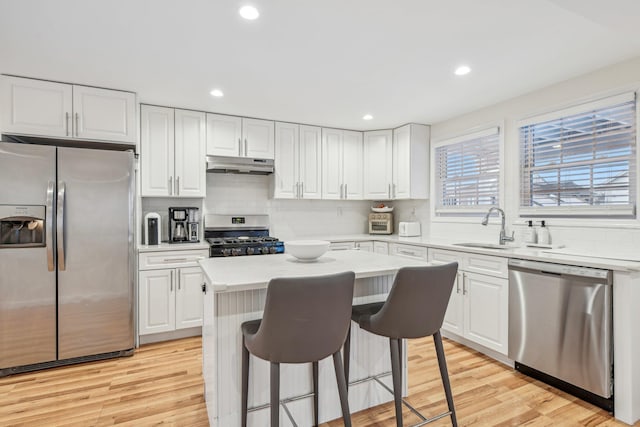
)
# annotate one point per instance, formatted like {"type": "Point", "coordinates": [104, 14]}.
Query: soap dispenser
{"type": "Point", "coordinates": [543, 234]}
{"type": "Point", "coordinates": [530, 234]}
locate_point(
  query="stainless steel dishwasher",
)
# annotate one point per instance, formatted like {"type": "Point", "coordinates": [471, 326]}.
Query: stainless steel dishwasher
{"type": "Point", "coordinates": [560, 327]}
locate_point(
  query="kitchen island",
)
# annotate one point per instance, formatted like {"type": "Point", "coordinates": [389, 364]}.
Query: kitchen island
{"type": "Point", "coordinates": [235, 293]}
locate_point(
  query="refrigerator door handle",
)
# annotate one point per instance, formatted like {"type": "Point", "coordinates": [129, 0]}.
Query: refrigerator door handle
{"type": "Point", "coordinates": [51, 264]}
{"type": "Point", "coordinates": [60, 226]}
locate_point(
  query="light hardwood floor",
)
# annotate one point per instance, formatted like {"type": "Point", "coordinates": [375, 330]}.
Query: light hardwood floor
{"type": "Point", "coordinates": [162, 384]}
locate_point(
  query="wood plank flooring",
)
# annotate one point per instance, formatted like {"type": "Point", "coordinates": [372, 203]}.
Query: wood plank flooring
{"type": "Point", "coordinates": [162, 384]}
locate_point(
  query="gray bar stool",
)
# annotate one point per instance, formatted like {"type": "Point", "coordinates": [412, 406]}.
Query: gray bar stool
{"type": "Point", "coordinates": [415, 308]}
{"type": "Point", "coordinates": [305, 320]}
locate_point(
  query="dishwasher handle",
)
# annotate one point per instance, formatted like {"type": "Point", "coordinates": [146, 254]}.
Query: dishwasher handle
{"type": "Point", "coordinates": [561, 269]}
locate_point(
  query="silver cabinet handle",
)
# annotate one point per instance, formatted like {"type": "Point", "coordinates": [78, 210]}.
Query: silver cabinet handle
{"type": "Point", "coordinates": [176, 260]}
{"type": "Point", "coordinates": [346, 192]}
{"type": "Point", "coordinates": [389, 190]}
{"type": "Point", "coordinates": [341, 186]}
{"type": "Point", "coordinates": [77, 124]}
{"type": "Point", "coordinates": [393, 191]}
{"type": "Point", "coordinates": [246, 147]}
{"type": "Point", "coordinates": [458, 283]}
{"type": "Point", "coordinates": [295, 190]}
{"type": "Point", "coordinates": [177, 186]}
{"type": "Point", "coordinates": [49, 225]}
{"type": "Point", "coordinates": [62, 190]}
{"type": "Point", "coordinates": [464, 283]}
{"type": "Point", "coordinates": [408, 253]}
{"type": "Point", "coordinates": [66, 115]}
{"type": "Point", "coordinates": [171, 186]}
{"type": "Point", "coordinates": [302, 190]}
{"type": "Point", "coordinates": [239, 147]}
{"type": "Point", "coordinates": [171, 284]}
{"type": "Point", "coordinates": [178, 278]}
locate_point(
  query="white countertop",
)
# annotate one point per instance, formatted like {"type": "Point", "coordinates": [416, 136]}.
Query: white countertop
{"type": "Point", "coordinates": [569, 256]}
{"type": "Point", "coordinates": [228, 274]}
{"type": "Point", "coordinates": [172, 247]}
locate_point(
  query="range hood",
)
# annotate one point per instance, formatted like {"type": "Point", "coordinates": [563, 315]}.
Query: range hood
{"type": "Point", "coordinates": [224, 164]}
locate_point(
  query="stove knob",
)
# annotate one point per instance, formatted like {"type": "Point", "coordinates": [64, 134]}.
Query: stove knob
{"type": "Point", "coordinates": [264, 250]}
{"type": "Point", "coordinates": [235, 251]}
{"type": "Point", "coordinates": [250, 251]}
{"type": "Point", "coordinates": [226, 252]}
{"type": "Point", "coordinates": [272, 250]}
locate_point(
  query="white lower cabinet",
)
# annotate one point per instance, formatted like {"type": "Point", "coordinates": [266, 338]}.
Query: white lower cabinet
{"type": "Point", "coordinates": [479, 306]}
{"type": "Point", "coordinates": [364, 246]}
{"type": "Point", "coordinates": [169, 299]}
{"type": "Point", "coordinates": [342, 246]}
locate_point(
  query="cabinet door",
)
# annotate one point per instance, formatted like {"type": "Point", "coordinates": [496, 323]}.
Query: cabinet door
{"type": "Point", "coordinates": [486, 311]}
{"type": "Point", "coordinates": [190, 159]}
{"type": "Point", "coordinates": [401, 170]}
{"type": "Point", "coordinates": [286, 184]}
{"type": "Point", "coordinates": [364, 246]}
{"type": "Point", "coordinates": [157, 151]}
{"type": "Point", "coordinates": [310, 162]}
{"type": "Point", "coordinates": [381, 248]}
{"type": "Point", "coordinates": [352, 164]}
{"type": "Point", "coordinates": [377, 165]}
{"type": "Point", "coordinates": [224, 134]}
{"type": "Point", "coordinates": [332, 164]}
{"type": "Point", "coordinates": [258, 138]}
{"type": "Point", "coordinates": [156, 301]}
{"type": "Point", "coordinates": [35, 107]}
{"type": "Point", "coordinates": [189, 297]}
{"type": "Point", "coordinates": [454, 316]}
{"type": "Point", "coordinates": [104, 114]}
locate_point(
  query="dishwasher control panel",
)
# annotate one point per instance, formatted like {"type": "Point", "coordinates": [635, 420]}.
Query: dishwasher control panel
{"type": "Point", "coordinates": [560, 268]}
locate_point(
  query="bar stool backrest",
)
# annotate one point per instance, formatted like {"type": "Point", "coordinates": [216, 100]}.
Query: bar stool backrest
{"type": "Point", "coordinates": [417, 302]}
{"type": "Point", "coordinates": [305, 319]}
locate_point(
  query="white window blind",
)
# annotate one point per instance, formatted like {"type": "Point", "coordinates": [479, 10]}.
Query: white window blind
{"type": "Point", "coordinates": [581, 163]}
{"type": "Point", "coordinates": [468, 173]}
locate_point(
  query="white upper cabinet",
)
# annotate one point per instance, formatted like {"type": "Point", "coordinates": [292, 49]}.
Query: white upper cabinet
{"type": "Point", "coordinates": [297, 162]}
{"type": "Point", "coordinates": [190, 147]}
{"type": "Point", "coordinates": [378, 165]}
{"type": "Point", "coordinates": [49, 109]}
{"type": "Point", "coordinates": [341, 164]}
{"type": "Point", "coordinates": [172, 146]}
{"type": "Point", "coordinates": [240, 137]}
{"type": "Point", "coordinates": [410, 162]}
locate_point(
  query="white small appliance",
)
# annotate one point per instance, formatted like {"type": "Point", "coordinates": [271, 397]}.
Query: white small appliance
{"type": "Point", "coordinates": [409, 229]}
{"type": "Point", "coordinates": [152, 229]}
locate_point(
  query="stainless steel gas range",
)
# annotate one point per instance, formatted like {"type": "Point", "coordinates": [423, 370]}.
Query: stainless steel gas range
{"type": "Point", "coordinates": [238, 235]}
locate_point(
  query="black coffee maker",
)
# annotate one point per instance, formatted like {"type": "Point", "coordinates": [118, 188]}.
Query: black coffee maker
{"type": "Point", "coordinates": [183, 225]}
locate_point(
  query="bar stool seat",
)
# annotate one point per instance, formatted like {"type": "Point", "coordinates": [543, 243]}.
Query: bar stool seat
{"type": "Point", "coordinates": [305, 320]}
{"type": "Point", "coordinates": [415, 308]}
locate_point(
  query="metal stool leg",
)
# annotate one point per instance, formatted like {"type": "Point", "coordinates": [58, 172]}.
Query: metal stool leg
{"type": "Point", "coordinates": [315, 394]}
{"type": "Point", "coordinates": [342, 388]}
{"type": "Point", "coordinates": [275, 394]}
{"type": "Point", "coordinates": [397, 379]}
{"type": "Point", "coordinates": [347, 355]}
{"type": "Point", "coordinates": [442, 363]}
{"type": "Point", "coordinates": [245, 383]}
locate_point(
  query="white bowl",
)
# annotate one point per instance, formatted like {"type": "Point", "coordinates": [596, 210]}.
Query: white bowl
{"type": "Point", "coordinates": [306, 250]}
{"type": "Point", "coordinates": [385, 209]}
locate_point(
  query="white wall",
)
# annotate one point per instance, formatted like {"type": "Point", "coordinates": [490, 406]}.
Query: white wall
{"type": "Point", "coordinates": [603, 235]}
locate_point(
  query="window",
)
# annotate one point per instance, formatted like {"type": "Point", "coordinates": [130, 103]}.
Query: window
{"type": "Point", "coordinates": [467, 173]}
{"type": "Point", "coordinates": [580, 161]}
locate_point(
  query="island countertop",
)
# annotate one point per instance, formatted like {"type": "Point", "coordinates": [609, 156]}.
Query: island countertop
{"type": "Point", "coordinates": [230, 274]}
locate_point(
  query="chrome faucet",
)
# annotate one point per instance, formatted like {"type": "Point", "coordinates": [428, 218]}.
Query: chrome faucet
{"type": "Point", "coordinates": [503, 234]}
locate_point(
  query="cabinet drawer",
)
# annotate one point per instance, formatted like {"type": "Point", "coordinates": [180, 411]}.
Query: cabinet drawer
{"type": "Point", "coordinates": [408, 251]}
{"type": "Point", "coordinates": [364, 246]}
{"type": "Point", "coordinates": [171, 259]}
{"type": "Point", "coordinates": [341, 246]}
{"type": "Point", "coordinates": [486, 264]}
{"type": "Point", "coordinates": [440, 256]}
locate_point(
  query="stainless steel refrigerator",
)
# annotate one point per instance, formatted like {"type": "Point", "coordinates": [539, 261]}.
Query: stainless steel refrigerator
{"type": "Point", "coordinates": [66, 255]}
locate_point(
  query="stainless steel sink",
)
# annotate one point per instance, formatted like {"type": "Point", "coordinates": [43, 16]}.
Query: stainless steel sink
{"type": "Point", "coordinates": [483, 245]}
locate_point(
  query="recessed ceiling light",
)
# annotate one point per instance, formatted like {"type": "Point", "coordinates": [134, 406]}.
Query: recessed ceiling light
{"type": "Point", "coordinates": [367, 117]}
{"type": "Point", "coordinates": [217, 93]}
{"type": "Point", "coordinates": [462, 70]}
{"type": "Point", "coordinates": [249, 12]}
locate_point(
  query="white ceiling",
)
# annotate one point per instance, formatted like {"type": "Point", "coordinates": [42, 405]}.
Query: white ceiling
{"type": "Point", "coordinates": [326, 62]}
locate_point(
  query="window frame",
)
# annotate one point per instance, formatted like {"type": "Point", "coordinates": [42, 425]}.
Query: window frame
{"type": "Point", "coordinates": [466, 214]}
{"type": "Point", "coordinates": [589, 213]}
